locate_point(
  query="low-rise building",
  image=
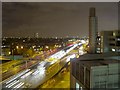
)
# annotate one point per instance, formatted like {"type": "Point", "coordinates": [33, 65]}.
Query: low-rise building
{"type": "Point", "coordinates": [95, 71]}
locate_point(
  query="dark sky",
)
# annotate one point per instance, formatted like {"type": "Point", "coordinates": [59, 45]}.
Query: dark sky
{"type": "Point", "coordinates": [51, 19]}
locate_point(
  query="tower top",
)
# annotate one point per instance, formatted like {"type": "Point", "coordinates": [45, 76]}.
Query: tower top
{"type": "Point", "coordinates": [92, 12]}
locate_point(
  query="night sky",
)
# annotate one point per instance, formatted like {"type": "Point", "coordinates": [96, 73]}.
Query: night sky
{"type": "Point", "coordinates": [51, 19]}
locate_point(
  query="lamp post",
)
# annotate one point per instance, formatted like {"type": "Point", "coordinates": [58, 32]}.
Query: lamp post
{"type": "Point", "coordinates": [12, 51]}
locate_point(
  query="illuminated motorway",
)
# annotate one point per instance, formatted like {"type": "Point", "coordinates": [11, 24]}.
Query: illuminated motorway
{"type": "Point", "coordinates": [41, 72]}
{"type": "Point", "coordinates": [13, 67]}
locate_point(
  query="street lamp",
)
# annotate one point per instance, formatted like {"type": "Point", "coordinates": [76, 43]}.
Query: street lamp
{"type": "Point", "coordinates": [33, 46]}
{"type": "Point", "coordinates": [9, 53]}
{"type": "Point", "coordinates": [13, 53]}
{"type": "Point", "coordinates": [21, 47]}
{"type": "Point", "coordinates": [17, 47]}
{"type": "Point", "coordinates": [47, 47]}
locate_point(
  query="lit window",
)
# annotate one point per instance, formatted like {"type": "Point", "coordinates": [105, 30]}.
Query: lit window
{"type": "Point", "coordinates": [99, 39]}
{"type": "Point", "coordinates": [98, 48]}
{"type": "Point", "coordinates": [113, 49]}
{"type": "Point", "coordinates": [118, 39]}
{"type": "Point", "coordinates": [98, 51]}
{"type": "Point", "coordinates": [101, 50]}
{"type": "Point", "coordinates": [77, 86]}
{"type": "Point", "coordinates": [114, 34]}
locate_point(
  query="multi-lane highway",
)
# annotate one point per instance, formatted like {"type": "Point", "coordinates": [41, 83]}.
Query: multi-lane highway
{"type": "Point", "coordinates": [11, 68]}
{"type": "Point", "coordinates": [41, 72]}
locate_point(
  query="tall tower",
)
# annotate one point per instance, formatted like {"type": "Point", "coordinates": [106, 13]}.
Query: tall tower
{"type": "Point", "coordinates": [93, 28]}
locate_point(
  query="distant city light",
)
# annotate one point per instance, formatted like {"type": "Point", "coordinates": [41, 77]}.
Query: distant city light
{"type": "Point", "coordinates": [23, 40]}
{"type": "Point", "coordinates": [21, 47]}
{"type": "Point", "coordinates": [9, 53]}
{"type": "Point", "coordinates": [33, 46]}
{"type": "Point", "coordinates": [60, 46]}
{"type": "Point", "coordinates": [17, 47]}
{"type": "Point", "coordinates": [47, 47]}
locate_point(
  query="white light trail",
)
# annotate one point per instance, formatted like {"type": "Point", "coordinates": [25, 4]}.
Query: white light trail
{"type": "Point", "coordinates": [40, 71]}
{"type": "Point", "coordinates": [27, 74]}
{"type": "Point", "coordinates": [18, 76]}
{"type": "Point", "coordinates": [13, 83]}
{"type": "Point", "coordinates": [19, 85]}
{"type": "Point", "coordinates": [69, 57]}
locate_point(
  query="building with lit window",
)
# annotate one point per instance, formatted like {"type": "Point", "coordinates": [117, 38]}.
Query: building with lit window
{"type": "Point", "coordinates": [93, 71]}
{"type": "Point", "coordinates": [109, 41]}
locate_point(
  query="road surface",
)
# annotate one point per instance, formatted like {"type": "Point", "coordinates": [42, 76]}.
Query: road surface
{"type": "Point", "coordinates": [39, 73]}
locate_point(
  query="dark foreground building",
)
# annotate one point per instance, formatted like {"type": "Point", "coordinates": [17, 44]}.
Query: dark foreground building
{"type": "Point", "coordinates": [93, 71]}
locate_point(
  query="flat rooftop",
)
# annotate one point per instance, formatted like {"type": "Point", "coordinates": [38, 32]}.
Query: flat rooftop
{"type": "Point", "coordinates": [91, 60]}
{"type": "Point", "coordinates": [111, 55]}
{"type": "Point", "coordinates": [92, 63]}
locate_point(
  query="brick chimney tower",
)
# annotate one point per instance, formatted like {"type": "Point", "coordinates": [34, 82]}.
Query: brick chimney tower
{"type": "Point", "coordinates": [93, 29]}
